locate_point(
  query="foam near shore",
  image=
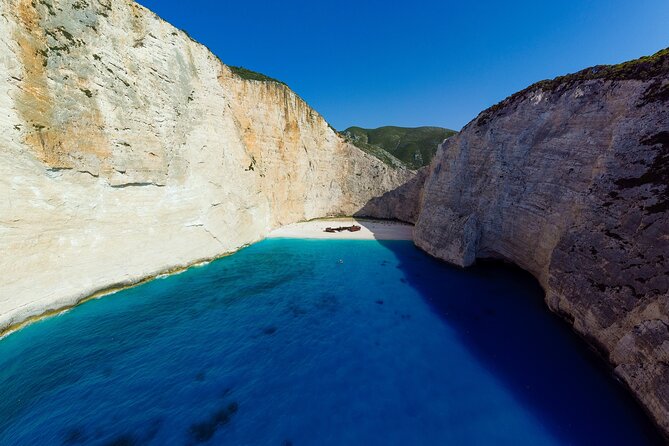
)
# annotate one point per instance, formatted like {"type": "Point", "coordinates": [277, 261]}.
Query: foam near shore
{"type": "Point", "coordinates": [370, 230]}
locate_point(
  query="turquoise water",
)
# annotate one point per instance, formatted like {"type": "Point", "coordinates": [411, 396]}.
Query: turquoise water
{"type": "Point", "coordinates": [283, 344]}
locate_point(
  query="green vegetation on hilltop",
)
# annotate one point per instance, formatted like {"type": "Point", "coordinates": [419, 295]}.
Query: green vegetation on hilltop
{"type": "Point", "coordinates": [414, 147]}
{"type": "Point", "coordinates": [247, 74]}
{"type": "Point", "coordinates": [643, 69]}
{"type": "Point", "coordinates": [376, 151]}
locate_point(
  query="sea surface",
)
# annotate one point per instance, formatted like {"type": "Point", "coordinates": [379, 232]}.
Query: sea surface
{"type": "Point", "coordinates": [312, 342]}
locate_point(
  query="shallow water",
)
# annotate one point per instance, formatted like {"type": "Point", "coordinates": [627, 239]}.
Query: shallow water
{"type": "Point", "coordinates": [281, 344]}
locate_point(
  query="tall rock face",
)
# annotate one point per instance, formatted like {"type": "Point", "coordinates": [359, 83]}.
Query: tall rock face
{"type": "Point", "coordinates": [127, 149]}
{"type": "Point", "coordinates": [401, 204]}
{"type": "Point", "coordinates": [569, 179]}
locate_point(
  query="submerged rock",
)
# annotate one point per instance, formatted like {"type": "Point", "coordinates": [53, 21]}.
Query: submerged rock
{"type": "Point", "coordinates": [204, 431]}
{"type": "Point", "coordinates": [269, 330]}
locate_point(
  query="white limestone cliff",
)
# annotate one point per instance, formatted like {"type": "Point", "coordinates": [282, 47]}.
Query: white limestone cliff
{"type": "Point", "coordinates": [127, 150]}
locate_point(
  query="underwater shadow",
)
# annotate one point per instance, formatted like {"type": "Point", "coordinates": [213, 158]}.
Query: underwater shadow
{"type": "Point", "coordinates": [499, 314]}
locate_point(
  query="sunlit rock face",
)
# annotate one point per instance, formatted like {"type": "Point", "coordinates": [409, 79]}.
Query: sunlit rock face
{"type": "Point", "coordinates": [127, 149]}
{"type": "Point", "coordinates": [569, 179]}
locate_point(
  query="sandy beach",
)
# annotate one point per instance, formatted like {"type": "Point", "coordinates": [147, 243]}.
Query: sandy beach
{"type": "Point", "coordinates": [371, 230]}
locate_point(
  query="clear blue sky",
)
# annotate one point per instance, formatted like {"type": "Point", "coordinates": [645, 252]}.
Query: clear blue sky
{"type": "Point", "coordinates": [418, 62]}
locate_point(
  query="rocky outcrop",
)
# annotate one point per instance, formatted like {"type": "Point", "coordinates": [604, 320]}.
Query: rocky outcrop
{"type": "Point", "coordinates": [569, 179]}
{"type": "Point", "coordinates": [401, 204]}
{"type": "Point", "coordinates": [127, 149]}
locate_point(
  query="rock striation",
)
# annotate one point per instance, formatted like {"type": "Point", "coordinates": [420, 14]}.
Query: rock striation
{"type": "Point", "coordinates": [128, 150]}
{"type": "Point", "coordinates": [569, 179]}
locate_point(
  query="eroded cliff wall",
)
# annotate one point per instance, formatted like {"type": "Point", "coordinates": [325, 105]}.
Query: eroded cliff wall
{"type": "Point", "coordinates": [569, 179]}
{"type": "Point", "coordinates": [127, 149]}
{"type": "Point", "coordinates": [401, 204]}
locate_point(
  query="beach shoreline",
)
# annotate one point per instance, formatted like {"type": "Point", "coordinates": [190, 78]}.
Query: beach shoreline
{"type": "Point", "coordinates": [50, 311]}
{"type": "Point", "coordinates": [314, 229]}
{"type": "Point", "coordinates": [369, 230]}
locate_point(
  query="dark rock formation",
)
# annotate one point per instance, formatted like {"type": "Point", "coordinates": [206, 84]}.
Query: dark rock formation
{"type": "Point", "coordinates": [569, 179]}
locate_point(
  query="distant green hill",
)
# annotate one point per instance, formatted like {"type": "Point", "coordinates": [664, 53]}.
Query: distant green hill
{"type": "Point", "coordinates": [415, 147]}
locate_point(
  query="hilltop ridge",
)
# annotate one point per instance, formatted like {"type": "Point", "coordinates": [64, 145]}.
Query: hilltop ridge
{"type": "Point", "coordinates": [414, 147]}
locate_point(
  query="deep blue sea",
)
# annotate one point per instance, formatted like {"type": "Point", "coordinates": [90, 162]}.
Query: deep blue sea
{"type": "Point", "coordinates": [306, 342]}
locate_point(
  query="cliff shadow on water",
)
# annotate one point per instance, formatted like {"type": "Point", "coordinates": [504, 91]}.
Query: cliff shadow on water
{"type": "Point", "coordinates": [499, 314]}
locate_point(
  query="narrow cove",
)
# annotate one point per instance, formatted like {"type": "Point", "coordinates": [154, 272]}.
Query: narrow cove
{"type": "Point", "coordinates": [325, 342]}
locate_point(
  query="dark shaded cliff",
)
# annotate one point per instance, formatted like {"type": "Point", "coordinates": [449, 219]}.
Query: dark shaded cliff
{"type": "Point", "coordinates": [569, 179]}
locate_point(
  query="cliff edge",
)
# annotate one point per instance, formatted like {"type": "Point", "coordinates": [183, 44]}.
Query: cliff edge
{"type": "Point", "coordinates": [128, 150]}
{"type": "Point", "coordinates": [569, 179]}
